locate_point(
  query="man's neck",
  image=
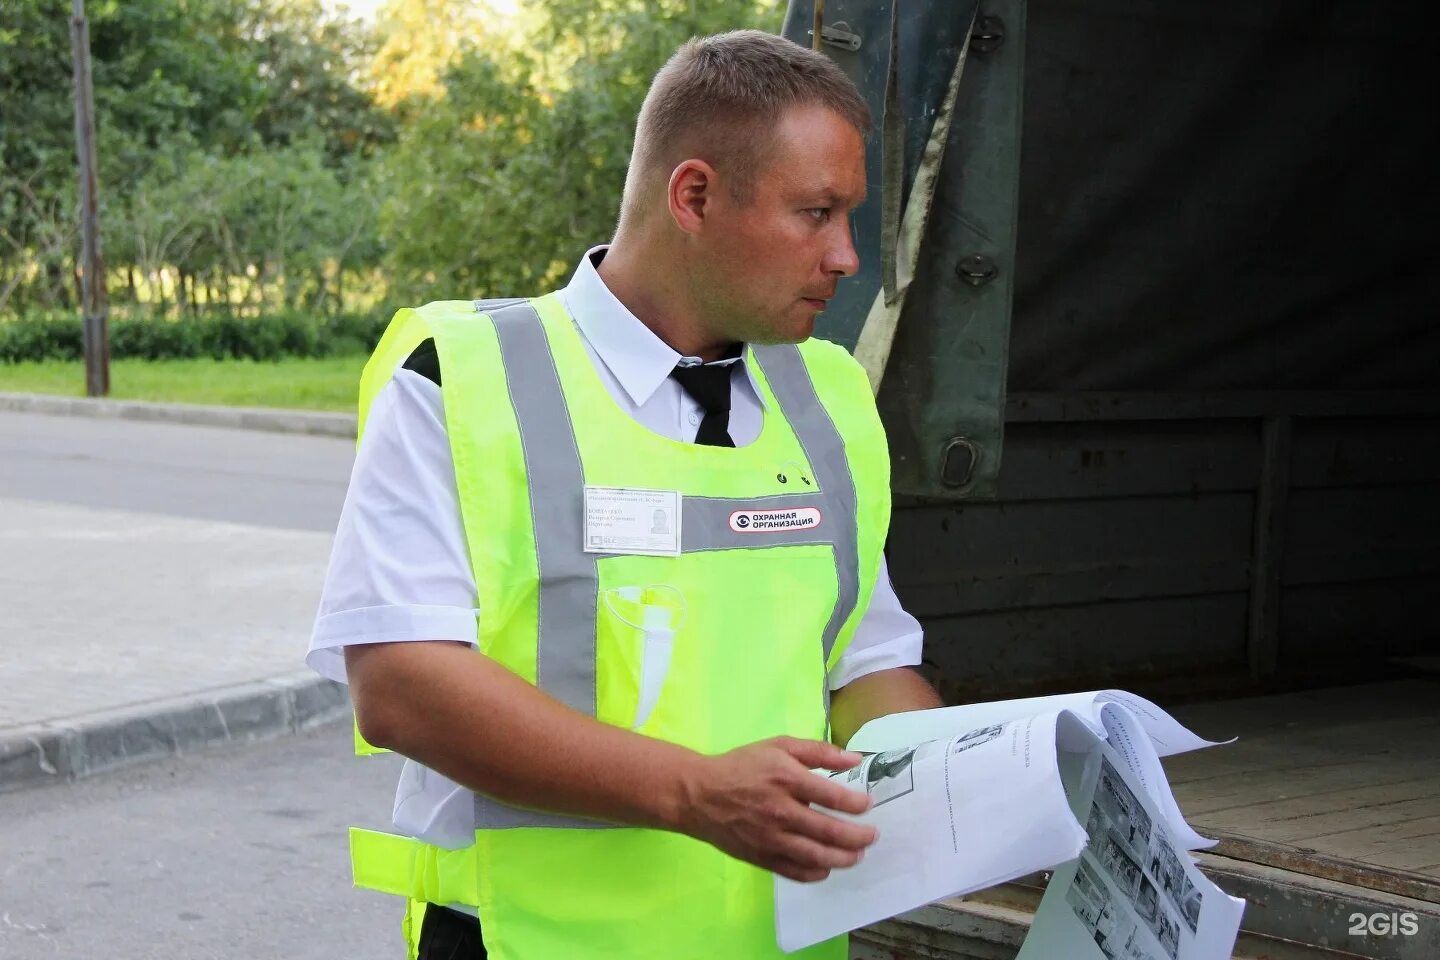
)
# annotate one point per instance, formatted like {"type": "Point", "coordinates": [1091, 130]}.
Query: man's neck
{"type": "Point", "coordinates": [649, 287]}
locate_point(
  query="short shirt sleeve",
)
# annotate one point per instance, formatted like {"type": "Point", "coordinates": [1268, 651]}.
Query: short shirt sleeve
{"type": "Point", "coordinates": [399, 569]}
{"type": "Point", "coordinates": [886, 636]}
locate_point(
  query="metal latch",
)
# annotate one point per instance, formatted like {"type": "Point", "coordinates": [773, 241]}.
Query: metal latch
{"type": "Point", "coordinates": [838, 35]}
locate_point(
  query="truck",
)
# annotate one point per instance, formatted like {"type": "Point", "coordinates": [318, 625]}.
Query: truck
{"type": "Point", "coordinates": [1149, 304]}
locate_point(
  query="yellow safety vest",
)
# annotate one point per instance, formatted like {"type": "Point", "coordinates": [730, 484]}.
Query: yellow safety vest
{"type": "Point", "coordinates": [724, 643]}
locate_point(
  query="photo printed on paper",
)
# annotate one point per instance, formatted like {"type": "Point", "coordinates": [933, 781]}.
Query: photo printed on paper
{"type": "Point", "coordinates": [1140, 861]}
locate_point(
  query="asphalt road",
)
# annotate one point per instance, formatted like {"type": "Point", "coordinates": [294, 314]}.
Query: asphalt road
{"type": "Point", "coordinates": [236, 853]}
{"type": "Point", "coordinates": [240, 476]}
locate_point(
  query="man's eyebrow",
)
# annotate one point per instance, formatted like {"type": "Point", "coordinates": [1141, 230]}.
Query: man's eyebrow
{"type": "Point", "coordinates": [835, 199]}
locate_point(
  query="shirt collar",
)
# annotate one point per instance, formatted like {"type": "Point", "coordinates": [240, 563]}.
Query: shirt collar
{"type": "Point", "coordinates": [638, 359]}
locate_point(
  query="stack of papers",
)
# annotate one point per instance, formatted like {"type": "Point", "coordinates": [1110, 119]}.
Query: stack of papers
{"type": "Point", "coordinates": [972, 796]}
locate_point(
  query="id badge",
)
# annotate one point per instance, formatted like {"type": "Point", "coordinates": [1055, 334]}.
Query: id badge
{"type": "Point", "coordinates": [625, 520]}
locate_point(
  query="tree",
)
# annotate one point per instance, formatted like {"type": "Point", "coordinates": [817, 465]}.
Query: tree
{"type": "Point", "coordinates": [244, 153]}
{"type": "Point", "coordinates": [312, 64]}
{"type": "Point", "coordinates": [176, 81]}
{"type": "Point", "coordinates": [419, 40]}
{"type": "Point", "coordinates": [499, 186]}
{"type": "Point", "coordinates": [156, 89]}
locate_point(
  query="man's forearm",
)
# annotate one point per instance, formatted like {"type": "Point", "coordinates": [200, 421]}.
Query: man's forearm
{"type": "Point", "coordinates": [467, 717]}
{"type": "Point", "coordinates": [896, 690]}
{"type": "Point", "coordinates": [472, 720]}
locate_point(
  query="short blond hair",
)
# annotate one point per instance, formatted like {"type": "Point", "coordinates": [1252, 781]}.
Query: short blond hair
{"type": "Point", "coordinates": [719, 98]}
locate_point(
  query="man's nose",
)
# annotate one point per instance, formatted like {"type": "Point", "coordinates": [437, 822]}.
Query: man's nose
{"type": "Point", "coordinates": [842, 258]}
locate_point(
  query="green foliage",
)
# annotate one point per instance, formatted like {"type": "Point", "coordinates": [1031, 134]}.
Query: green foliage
{"type": "Point", "coordinates": [418, 42]}
{"type": "Point", "coordinates": [274, 158]}
{"type": "Point", "coordinates": [309, 62]}
{"type": "Point", "coordinates": [220, 336]}
{"type": "Point", "coordinates": [163, 73]}
{"type": "Point", "coordinates": [280, 219]}
{"type": "Point", "coordinates": [163, 82]}
{"type": "Point", "coordinates": [41, 337]}
{"type": "Point", "coordinates": [178, 84]}
{"type": "Point", "coordinates": [499, 187]}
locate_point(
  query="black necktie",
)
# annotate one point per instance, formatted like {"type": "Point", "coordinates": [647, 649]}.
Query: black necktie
{"type": "Point", "coordinates": [709, 385]}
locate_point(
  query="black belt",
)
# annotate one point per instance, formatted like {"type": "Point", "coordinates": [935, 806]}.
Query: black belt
{"type": "Point", "coordinates": [447, 934]}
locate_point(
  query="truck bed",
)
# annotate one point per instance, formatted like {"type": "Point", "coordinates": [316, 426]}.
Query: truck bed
{"type": "Point", "coordinates": [1349, 772]}
{"type": "Point", "coordinates": [1327, 809]}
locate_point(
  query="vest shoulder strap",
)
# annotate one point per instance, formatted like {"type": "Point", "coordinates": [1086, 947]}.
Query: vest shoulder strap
{"type": "Point", "coordinates": [408, 328]}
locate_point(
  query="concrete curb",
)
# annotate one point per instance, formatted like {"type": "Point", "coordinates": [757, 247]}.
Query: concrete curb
{"type": "Point", "coordinates": [243, 418]}
{"type": "Point", "coordinates": [69, 749]}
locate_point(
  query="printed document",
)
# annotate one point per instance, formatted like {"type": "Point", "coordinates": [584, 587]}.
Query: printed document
{"type": "Point", "coordinates": [968, 797]}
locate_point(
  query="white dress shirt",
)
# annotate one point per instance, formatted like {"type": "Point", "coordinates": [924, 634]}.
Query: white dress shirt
{"type": "Point", "coordinates": [399, 569]}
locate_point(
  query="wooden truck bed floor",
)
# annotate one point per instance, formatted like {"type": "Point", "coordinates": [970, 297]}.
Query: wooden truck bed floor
{"type": "Point", "coordinates": [1349, 772]}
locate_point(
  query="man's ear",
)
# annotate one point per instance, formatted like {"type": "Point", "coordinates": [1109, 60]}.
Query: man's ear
{"type": "Point", "coordinates": [690, 194]}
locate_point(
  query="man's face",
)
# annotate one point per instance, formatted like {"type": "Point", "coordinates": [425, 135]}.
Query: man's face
{"type": "Point", "coordinates": [773, 263]}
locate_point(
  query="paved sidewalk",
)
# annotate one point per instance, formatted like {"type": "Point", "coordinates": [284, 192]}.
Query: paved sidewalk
{"type": "Point", "coordinates": [132, 632]}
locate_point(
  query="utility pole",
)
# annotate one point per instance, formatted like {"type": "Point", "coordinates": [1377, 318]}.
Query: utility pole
{"type": "Point", "coordinates": [92, 270]}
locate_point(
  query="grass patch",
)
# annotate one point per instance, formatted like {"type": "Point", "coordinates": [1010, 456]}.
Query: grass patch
{"type": "Point", "coordinates": [325, 383]}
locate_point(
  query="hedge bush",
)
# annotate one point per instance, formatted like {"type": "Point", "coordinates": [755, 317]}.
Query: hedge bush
{"type": "Point", "coordinates": [219, 335]}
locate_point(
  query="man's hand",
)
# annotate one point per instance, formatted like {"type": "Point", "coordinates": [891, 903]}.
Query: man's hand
{"type": "Point", "coordinates": [754, 804]}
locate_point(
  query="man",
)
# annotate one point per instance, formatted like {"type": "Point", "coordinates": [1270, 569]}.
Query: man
{"type": "Point", "coordinates": [610, 568]}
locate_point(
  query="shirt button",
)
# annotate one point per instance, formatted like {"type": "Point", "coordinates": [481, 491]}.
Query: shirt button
{"type": "Point", "coordinates": [694, 418]}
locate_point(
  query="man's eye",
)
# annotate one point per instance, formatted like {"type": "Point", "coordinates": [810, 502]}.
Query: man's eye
{"type": "Point", "coordinates": [819, 214]}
